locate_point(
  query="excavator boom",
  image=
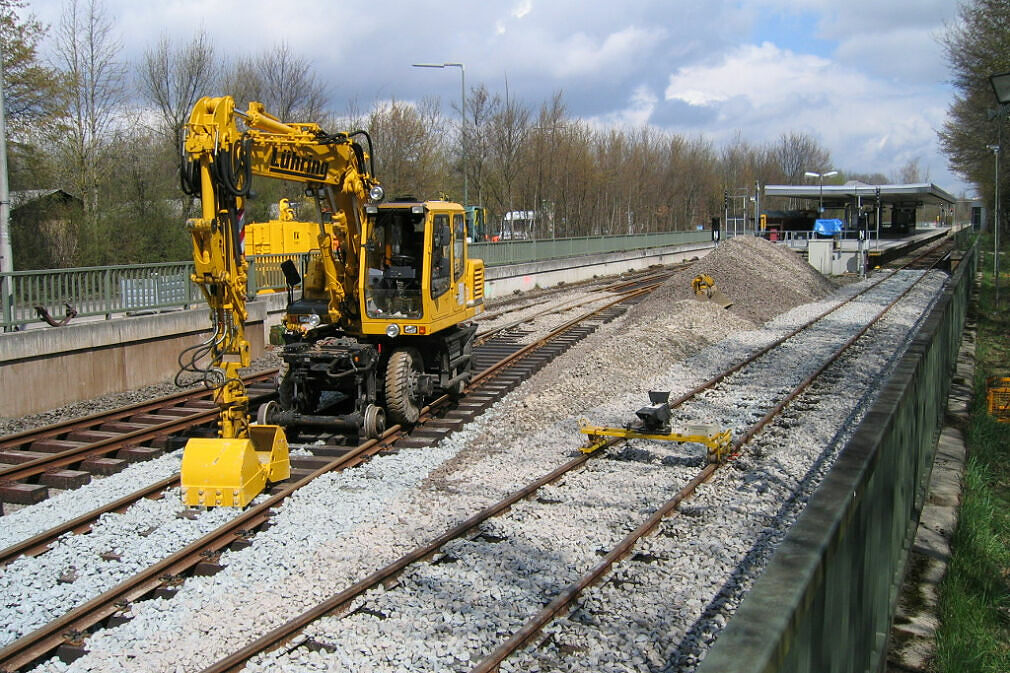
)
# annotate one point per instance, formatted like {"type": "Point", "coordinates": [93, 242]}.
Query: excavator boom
{"type": "Point", "coordinates": [218, 164]}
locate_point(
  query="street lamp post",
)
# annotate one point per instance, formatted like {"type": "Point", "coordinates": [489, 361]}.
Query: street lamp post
{"type": "Point", "coordinates": [462, 110]}
{"type": "Point", "coordinates": [820, 177]}
{"type": "Point", "coordinates": [1001, 87]}
{"type": "Point", "coordinates": [6, 253]}
{"type": "Point", "coordinates": [995, 228]}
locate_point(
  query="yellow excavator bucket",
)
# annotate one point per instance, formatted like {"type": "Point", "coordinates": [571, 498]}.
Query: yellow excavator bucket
{"type": "Point", "coordinates": [218, 472]}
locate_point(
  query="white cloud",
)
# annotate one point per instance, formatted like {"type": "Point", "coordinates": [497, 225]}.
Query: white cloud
{"type": "Point", "coordinates": [770, 78]}
{"type": "Point", "coordinates": [873, 93]}
{"type": "Point", "coordinates": [522, 9]}
{"type": "Point", "coordinates": [640, 107]}
{"type": "Point", "coordinates": [581, 54]}
{"type": "Point", "coordinates": [868, 124]}
{"type": "Point", "coordinates": [910, 53]}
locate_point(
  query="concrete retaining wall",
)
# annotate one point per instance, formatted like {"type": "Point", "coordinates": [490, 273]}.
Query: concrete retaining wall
{"type": "Point", "coordinates": [48, 367]}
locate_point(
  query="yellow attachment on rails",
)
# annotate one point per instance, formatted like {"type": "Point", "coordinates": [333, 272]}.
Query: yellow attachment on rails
{"type": "Point", "coordinates": [230, 472]}
{"type": "Point", "coordinates": [717, 441]}
{"type": "Point", "coordinates": [655, 425]}
{"type": "Point", "coordinates": [705, 290]}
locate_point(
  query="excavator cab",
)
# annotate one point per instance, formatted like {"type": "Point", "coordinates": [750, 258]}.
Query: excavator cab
{"type": "Point", "coordinates": [394, 263]}
{"type": "Point", "coordinates": [416, 276]}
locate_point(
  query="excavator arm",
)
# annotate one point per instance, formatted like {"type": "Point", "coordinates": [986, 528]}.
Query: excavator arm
{"type": "Point", "coordinates": [219, 163]}
{"type": "Point", "coordinates": [332, 166]}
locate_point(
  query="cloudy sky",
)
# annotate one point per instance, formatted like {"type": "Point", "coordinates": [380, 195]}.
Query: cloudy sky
{"type": "Point", "coordinates": [867, 78]}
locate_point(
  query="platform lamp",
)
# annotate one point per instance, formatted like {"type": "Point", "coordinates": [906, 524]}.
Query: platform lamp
{"type": "Point", "coordinates": [462, 106]}
{"type": "Point", "coordinates": [1001, 87]}
{"type": "Point", "coordinates": [820, 177]}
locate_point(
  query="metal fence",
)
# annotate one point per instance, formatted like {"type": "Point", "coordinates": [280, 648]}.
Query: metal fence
{"type": "Point", "coordinates": [131, 289]}
{"type": "Point", "coordinates": [519, 252]}
{"type": "Point", "coordinates": [96, 291]}
{"type": "Point", "coordinates": [825, 601]}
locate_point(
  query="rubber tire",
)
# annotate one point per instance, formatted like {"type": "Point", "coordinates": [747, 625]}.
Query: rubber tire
{"type": "Point", "coordinates": [403, 405]}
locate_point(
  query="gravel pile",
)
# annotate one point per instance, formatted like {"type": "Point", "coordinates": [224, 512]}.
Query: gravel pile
{"type": "Point", "coordinates": [658, 611]}
{"type": "Point", "coordinates": [763, 279]}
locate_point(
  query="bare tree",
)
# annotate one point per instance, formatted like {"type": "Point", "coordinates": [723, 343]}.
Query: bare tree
{"type": "Point", "coordinates": [510, 126]}
{"type": "Point", "coordinates": [242, 81]}
{"type": "Point", "coordinates": [796, 153]}
{"type": "Point", "coordinates": [174, 78]}
{"type": "Point", "coordinates": [912, 172]}
{"type": "Point", "coordinates": [410, 152]}
{"type": "Point", "coordinates": [478, 142]}
{"type": "Point", "coordinates": [87, 54]}
{"type": "Point", "coordinates": [282, 81]}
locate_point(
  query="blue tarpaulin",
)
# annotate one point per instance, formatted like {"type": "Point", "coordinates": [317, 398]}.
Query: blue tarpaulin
{"type": "Point", "coordinates": [828, 227]}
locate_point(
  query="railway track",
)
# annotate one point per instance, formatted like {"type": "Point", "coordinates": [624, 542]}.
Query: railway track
{"type": "Point", "coordinates": [508, 364]}
{"type": "Point", "coordinates": [67, 455]}
{"type": "Point", "coordinates": [342, 606]}
{"type": "Point", "coordinates": [503, 345]}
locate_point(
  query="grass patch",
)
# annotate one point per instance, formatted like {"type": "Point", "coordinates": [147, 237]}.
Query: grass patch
{"type": "Point", "coordinates": [974, 635]}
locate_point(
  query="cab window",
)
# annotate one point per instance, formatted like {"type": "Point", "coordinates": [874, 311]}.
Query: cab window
{"type": "Point", "coordinates": [441, 255]}
{"type": "Point", "coordinates": [393, 257]}
{"type": "Point", "coordinates": [459, 233]}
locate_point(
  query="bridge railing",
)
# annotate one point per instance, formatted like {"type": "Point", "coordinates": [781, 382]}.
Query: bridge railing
{"type": "Point", "coordinates": [520, 252]}
{"type": "Point", "coordinates": [132, 289]}
{"type": "Point", "coordinates": [96, 291]}
{"type": "Point", "coordinates": [826, 599]}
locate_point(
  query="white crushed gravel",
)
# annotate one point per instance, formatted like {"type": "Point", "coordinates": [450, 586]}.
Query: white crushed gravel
{"type": "Point", "coordinates": [658, 611]}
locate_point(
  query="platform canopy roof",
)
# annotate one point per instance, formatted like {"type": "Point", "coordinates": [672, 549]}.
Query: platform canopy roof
{"type": "Point", "coordinates": [917, 194]}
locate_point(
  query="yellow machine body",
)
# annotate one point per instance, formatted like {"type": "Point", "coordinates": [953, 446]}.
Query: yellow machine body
{"type": "Point", "coordinates": [705, 290]}
{"type": "Point", "coordinates": [381, 321]}
{"type": "Point", "coordinates": [285, 235]}
{"type": "Point", "coordinates": [230, 472]}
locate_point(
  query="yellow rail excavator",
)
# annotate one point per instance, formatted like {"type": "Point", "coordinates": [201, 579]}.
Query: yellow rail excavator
{"type": "Point", "coordinates": [380, 326]}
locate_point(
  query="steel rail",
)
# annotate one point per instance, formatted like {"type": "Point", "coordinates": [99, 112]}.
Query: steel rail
{"type": "Point", "coordinates": [37, 544]}
{"type": "Point", "coordinates": [556, 332]}
{"type": "Point", "coordinates": [559, 604]}
{"type": "Point", "coordinates": [482, 337]}
{"type": "Point", "coordinates": [46, 639]}
{"type": "Point", "coordinates": [283, 633]}
{"type": "Point", "coordinates": [91, 421]}
{"type": "Point", "coordinates": [100, 447]}
{"type": "Point", "coordinates": [340, 600]}
{"type": "Point", "coordinates": [76, 623]}
{"type": "Point", "coordinates": [562, 602]}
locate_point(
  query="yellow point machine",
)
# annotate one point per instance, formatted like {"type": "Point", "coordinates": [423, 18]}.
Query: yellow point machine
{"type": "Point", "coordinates": [380, 327]}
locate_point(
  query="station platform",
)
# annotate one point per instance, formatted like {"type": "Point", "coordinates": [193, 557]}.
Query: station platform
{"type": "Point", "coordinates": [839, 256]}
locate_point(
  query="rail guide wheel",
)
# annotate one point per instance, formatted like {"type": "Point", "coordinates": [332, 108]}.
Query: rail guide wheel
{"type": "Point", "coordinates": [374, 423]}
